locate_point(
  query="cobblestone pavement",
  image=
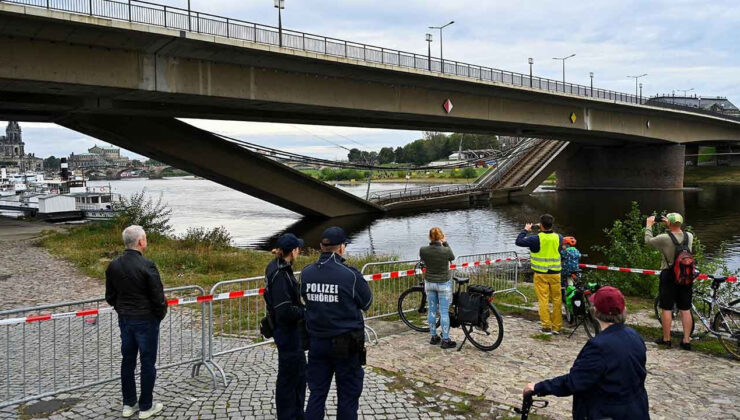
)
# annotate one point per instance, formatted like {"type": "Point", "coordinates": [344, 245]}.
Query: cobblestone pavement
{"type": "Point", "coordinates": [680, 384]}
{"type": "Point", "coordinates": [249, 395]}
{"type": "Point", "coordinates": [30, 276]}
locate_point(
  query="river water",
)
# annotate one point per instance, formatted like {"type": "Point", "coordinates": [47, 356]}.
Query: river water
{"type": "Point", "coordinates": [255, 224]}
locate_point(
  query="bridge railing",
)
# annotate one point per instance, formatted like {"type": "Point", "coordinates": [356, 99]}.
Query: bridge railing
{"type": "Point", "coordinates": [383, 197]}
{"type": "Point", "coordinates": [194, 21]}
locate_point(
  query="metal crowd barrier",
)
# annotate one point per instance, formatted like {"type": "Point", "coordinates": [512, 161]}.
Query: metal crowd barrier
{"type": "Point", "coordinates": [79, 346]}
{"type": "Point", "coordinates": [387, 291]}
{"type": "Point", "coordinates": [499, 270]}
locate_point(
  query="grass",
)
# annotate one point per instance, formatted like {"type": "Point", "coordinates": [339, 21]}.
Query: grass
{"type": "Point", "coordinates": [543, 337]}
{"type": "Point", "coordinates": [712, 175]}
{"type": "Point", "coordinates": [707, 345]}
{"type": "Point", "coordinates": [636, 304]}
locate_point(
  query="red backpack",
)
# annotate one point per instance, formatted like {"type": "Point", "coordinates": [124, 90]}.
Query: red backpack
{"type": "Point", "coordinates": [684, 263]}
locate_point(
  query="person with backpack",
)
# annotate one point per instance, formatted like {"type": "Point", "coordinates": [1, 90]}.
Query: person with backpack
{"type": "Point", "coordinates": [286, 313]}
{"type": "Point", "coordinates": [677, 265]}
{"type": "Point", "coordinates": [571, 257]}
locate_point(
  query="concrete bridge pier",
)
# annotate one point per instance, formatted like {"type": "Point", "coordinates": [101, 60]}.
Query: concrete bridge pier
{"type": "Point", "coordinates": [626, 167]}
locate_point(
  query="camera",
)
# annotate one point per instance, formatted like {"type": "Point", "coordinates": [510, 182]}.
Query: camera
{"type": "Point", "coordinates": [535, 226]}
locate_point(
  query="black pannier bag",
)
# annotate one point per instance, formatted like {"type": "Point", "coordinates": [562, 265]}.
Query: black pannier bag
{"type": "Point", "coordinates": [472, 306]}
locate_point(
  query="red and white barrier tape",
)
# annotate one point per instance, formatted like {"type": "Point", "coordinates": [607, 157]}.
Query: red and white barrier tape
{"type": "Point", "coordinates": [730, 279]}
{"type": "Point", "coordinates": [406, 273]}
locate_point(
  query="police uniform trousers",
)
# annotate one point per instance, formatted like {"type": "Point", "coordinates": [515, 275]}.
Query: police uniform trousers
{"type": "Point", "coordinates": [322, 365]}
{"type": "Point", "coordinates": [290, 389]}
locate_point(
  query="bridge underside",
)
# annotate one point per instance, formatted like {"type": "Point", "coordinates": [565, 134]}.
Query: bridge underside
{"type": "Point", "coordinates": [204, 154]}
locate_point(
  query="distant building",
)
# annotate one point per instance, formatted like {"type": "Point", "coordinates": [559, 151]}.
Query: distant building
{"type": "Point", "coordinates": [99, 157]}
{"type": "Point", "coordinates": [717, 104]}
{"type": "Point", "coordinates": [12, 151]}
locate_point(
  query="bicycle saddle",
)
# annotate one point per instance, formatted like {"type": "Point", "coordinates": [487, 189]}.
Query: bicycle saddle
{"type": "Point", "coordinates": [717, 281]}
{"type": "Point", "coordinates": [461, 280]}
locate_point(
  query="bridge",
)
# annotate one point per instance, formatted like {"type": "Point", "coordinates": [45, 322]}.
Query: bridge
{"type": "Point", "coordinates": [123, 72]}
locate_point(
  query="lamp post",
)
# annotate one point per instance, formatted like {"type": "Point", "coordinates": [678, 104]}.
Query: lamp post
{"type": "Point", "coordinates": [190, 25]}
{"type": "Point", "coordinates": [429, 51]}
{"type": "Point", "coordinates": [531, 61]}
{"type": "Point", "coordinates": [591, 75]}
{"type": "Point", "coordinates": [640, 97]}
{"type": "Point", "coordinates": [563, 60]}
{"type": "Point", "coordinates": [441, 58]}
{"type": "Point", "coordinates": [280, 5]}
{"type": "Point", "coordinates": [685, 91]}
{"type": "Point", "coordinates": [636, 78]}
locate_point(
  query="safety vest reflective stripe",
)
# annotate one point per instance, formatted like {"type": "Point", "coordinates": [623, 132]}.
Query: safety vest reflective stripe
{"type": "Point", "coordinates": [548, 257]}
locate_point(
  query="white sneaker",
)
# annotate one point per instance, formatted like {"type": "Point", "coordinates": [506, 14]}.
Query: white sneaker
{"type": "Point", "coordinates": [156, 409]}
{"type": "Point", "coordinates": [129, 411]}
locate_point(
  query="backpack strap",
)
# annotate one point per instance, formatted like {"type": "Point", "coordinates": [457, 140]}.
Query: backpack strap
{"type": "Point", "coordinates": [674, 240]}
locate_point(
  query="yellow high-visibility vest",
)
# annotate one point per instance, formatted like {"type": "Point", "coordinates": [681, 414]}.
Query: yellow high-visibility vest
{"type": "Point", "coordinates": [548, 258]}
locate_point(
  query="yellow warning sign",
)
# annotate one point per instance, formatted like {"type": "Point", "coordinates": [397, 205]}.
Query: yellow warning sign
{"type": "Point", "coordinates": [573, 117]}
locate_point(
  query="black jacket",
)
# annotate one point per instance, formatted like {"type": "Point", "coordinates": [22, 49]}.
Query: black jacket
{"type": "Point", "coordinates": [133, 287]}
{"type": "Point", "coordinates": [282, 294]}
{"type": "Point", "coordinates": [607, 379]}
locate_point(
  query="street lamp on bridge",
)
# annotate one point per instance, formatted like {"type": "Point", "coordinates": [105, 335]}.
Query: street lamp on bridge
{"type": "Point", "coordinates": [636, 79]}
{"type": "Point", "coordinates": [429, 51]}
{"type": "Point", "coordinates": [441, 59]}
{"type": "Point", "coordinates": [531, 61]}
{"type": "Point", "coordinates": [685, 91]}
{"type": "Point", "coordinates": [280, 5]}
{"type": "Point", "coordinates": [591, 75]}
{"type": "Point", "coordinates": [563, 60]}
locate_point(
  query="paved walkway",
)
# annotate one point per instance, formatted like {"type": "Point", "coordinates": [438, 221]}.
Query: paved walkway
{"type": "Point", "coordinates": [680, 384]}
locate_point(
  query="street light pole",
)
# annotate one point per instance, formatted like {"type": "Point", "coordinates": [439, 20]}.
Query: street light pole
{"type": "Point", "coordinates": [441, 58]}
{"type": "Point", "coordinates": [429, 51]}
{"type": "Point", "coordinates": [636, 78]}
{"type": "Point", "coordinates": [685, 91]}
{"type": "Point", "coordinates": [190, 24]}
{"type": "Point", "coordinates": [280, 5]}
{"type": "Point", "coordinates": [531, 61]}
{"type": "Point", "coordinates": [640, 93]}
{"type": "Point", "coordinates": [591, 74]}
{"type": "Point", "coordinates": [563, 60]}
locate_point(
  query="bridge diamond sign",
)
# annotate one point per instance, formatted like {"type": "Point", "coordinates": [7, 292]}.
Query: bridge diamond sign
{"type": "Point", "coordinates": [447, 106]}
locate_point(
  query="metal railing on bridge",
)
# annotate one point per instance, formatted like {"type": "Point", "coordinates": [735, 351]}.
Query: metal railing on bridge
{"type": "Point", "coordinates": [204, 23]}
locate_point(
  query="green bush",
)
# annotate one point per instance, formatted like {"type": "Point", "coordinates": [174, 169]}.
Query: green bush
{"type": "Point", "coordinates": [469, 172]}
{"type": "Point", "coordinates": [153, 216]}
{"type": "Point", "coordinates": [216, 238]}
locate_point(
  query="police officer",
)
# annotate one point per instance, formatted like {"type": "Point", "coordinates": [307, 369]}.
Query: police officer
{"type": "Point", "coordinates": [286, 312]}
{"type": "Point", "coordinates": [335, 296]}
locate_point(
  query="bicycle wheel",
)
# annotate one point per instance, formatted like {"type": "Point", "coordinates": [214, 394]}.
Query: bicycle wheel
{"type": "Point", "coordinates": [676, 324]}
{"type": "Point", "coordinates": [591, 325]}
{"type": "Point", "coordinates": [489, 334]}
{"type": "Point", "coordinates": [727, 324]}
{"type": "Point", "coordinates": [413, 309]}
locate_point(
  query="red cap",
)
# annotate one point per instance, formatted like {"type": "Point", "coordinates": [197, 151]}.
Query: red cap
{"type": "Point", "coordinates": [608, 300]}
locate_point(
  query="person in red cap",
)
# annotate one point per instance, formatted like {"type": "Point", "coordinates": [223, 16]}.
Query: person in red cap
{"type": "Point", "coordinates": [607, 379]}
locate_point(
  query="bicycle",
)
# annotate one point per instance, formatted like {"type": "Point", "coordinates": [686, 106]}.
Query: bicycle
{"type": "Point", "coordinates": [527, 404]}
{"type": "Point", "coordinates": [484, 335]}
{"type": "Point", "coordinates": [577, 303]}
{"type": "Point", "coordinates": [726, 323]}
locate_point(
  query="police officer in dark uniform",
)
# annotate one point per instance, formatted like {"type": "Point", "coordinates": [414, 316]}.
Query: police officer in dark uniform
{"type": "Point", "coordinates": [335, 296]}
{"type": "Point", "coordinates": [286, 312]}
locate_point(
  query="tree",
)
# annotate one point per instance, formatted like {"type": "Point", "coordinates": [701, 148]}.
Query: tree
{"type": "Point", "coordinates": [51, 163]}
{"type": "Point", "coordinates": [469, 172]}
{"type": "Point", "coordinates": [354, 155]}
{"type": "Point", "coordinates": [399, 155]}
{"type": "Point", "coordinates": [386, 155]}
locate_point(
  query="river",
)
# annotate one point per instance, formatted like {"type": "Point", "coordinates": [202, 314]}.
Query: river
{"type": "Point", "coordinates": [584, 214]}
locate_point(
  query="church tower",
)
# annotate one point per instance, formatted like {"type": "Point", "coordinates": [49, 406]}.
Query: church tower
{"type": "Point", "coordinates": [14, 139]}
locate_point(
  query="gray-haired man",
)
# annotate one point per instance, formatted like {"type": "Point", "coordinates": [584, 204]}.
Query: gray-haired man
{"type": "Point", "coordinates": [133, 288]}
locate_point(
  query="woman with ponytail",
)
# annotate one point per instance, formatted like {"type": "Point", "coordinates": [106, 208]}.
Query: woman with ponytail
{"type": "Point", "coordinates": [282, 295]}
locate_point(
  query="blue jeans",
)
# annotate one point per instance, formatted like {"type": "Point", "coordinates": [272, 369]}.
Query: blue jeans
{"type": "Point", "coordinates": [290, 389]}
{"type": "Point", "coordinates": [138, 336]}
{"type": "Point", "coordinates": [348, 373]}
{"type": "Point", "coordinates": [439, 296]}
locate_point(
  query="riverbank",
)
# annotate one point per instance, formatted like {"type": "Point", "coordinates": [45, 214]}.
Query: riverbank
{"type": "Point", "coordinates": [718, 175]}
{"type": "Point", "coordinates": [91, 248]}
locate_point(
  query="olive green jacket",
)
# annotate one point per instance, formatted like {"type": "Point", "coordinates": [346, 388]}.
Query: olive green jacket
{"type": "Point", "coordinates": [436, 257]}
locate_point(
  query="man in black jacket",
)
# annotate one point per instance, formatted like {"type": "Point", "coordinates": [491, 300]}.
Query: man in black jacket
{"type": "Point", "coordinates": [133, 288]}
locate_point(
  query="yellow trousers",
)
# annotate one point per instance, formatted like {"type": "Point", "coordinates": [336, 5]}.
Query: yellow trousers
{"type": "Point", "coordinates": [547, 288]}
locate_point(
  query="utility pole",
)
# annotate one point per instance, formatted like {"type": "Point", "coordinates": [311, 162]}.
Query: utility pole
{"type": "Point", "coordinates": [441, 58]}
{"type": "Point", "coordinates": [636, 78]}
{"type": "Point", "coordinates": [563, 60]}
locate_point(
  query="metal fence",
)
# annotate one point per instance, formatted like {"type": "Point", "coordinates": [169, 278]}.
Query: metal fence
{"type": "Point", "coordinates": [498, 270]}
{"type": "Point", "coordinates": [49, 355]}
{"type": "Point", "coordinates": [387, 290]}
{"type": "Point", "coordinates": [189, 20]}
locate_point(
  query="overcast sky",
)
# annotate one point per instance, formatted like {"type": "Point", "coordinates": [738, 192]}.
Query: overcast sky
{"type": "Point", "coordinates": [681, 44]}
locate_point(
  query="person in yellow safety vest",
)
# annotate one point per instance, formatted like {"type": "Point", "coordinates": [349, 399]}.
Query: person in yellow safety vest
{"type": "Point", "coordinates": [545, 262]}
